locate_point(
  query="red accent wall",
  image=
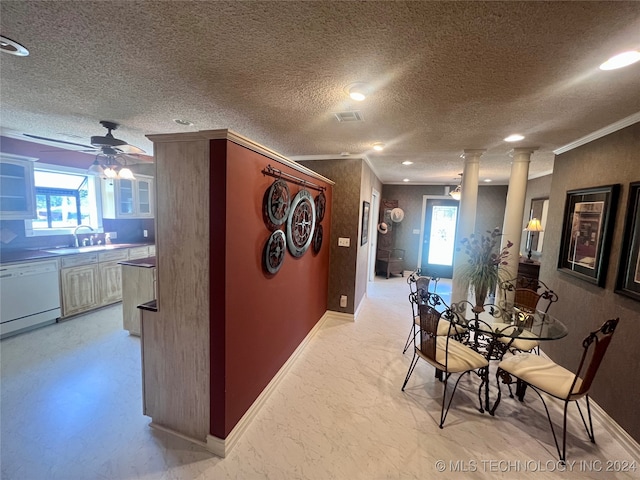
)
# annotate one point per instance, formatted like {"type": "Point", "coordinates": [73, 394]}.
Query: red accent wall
{"type": "Point", "coordinates": [262, 318]}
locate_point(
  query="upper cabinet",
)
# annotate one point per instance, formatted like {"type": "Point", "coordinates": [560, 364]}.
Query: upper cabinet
{"type": "Point", "coordinates": [17, 191]}
{"type": "Point", "coordinates": [127, 198]}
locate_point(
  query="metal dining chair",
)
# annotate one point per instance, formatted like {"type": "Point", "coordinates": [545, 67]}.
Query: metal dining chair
{"type": "Point", "coordinates": [544, 375]}
{"type": "Point", "coordinates": [446, 354]}
{"type": "Point", "coordinates": [419, 294]}
{"type": "Point", "coordinates": [529, 296]}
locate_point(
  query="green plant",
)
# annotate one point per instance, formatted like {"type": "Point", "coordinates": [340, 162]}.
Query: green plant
{"type": "Point", "coordinates": [482, 270]}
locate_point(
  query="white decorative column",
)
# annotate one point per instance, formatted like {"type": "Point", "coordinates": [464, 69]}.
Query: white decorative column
{"type": "Point", "coordinates": [466, 213]}
{"type": "Point", "coordinates": [513, 214]}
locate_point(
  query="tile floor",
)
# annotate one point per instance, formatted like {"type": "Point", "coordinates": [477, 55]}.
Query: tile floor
{"type": "Point", "coordinates": [71, 409]}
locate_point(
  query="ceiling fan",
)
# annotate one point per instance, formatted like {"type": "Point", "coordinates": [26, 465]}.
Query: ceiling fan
{"type": "Point", "coordinates": [111, 152]}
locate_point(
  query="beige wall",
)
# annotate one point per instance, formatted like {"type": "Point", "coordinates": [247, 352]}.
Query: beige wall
{"type": "Point", "coordinates": [348, 266]}
{"type": "Point", "coordinates": [582, 305]}
{"type": "Point", "coordinates": [491, 204]}
{"type": "Point", "coordinates": [369, 182]}
{"type": "Point", "coordinates": [536, 188]}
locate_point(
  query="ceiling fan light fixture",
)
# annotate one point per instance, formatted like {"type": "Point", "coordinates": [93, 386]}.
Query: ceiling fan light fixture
{"type": "Point", "coordinates": [456, 193]}
{"type": "Point", "coordinates": [95, 168]}
{"type": "Point", "coordinates": [110, 172]}
{"type": "Point", "coordinates": [126, 173]}
{"type": "Point", "coordinates": [621, 60]}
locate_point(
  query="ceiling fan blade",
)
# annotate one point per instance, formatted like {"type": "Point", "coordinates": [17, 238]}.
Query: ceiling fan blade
{"type": "Point", "coordinates": [56, 141]}
{"type": "Point", "coordinates": [126, 148]}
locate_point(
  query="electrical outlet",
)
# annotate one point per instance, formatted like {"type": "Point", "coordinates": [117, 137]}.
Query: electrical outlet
{"type": "Point", "coordinates": [344, 242]}
{"type": "Point", "coordinates": [145, 233]}
{"type": "Point", "coordinates": [113, 235]}
{"type": "Point", "coordinates": [343, 300]}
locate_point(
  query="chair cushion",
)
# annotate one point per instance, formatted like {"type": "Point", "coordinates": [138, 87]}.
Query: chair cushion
{"type": "Point", "coordinates": [461, 358]}
{"type": "Point", "coordinates": [443, 327]}
{"type": "Point", "coordinates": [541, 373]}
{"type": "Point", "coordinates": [522, 344]}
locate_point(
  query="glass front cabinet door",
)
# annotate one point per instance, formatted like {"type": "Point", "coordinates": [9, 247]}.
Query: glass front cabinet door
{"type": "Point", "coordinates": [123, 198]}
{"type": "Point", "coordinates": [17, 191]}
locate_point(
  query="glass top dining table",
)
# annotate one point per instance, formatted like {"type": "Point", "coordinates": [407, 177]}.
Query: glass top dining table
{"type": "Point", "coordinates": [510, 322]}
{"type": "Point", "coordinates": [499, 328]}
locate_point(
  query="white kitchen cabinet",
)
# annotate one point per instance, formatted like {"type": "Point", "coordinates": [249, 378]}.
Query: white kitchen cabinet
{"type": "Point", "coordinates": [111, 275]}
{"type": "Point", "coordinates": [92, 280]}
{"type": "Point", "coordinates": [17, 190]}
{"type": "Point", "coordinates": [139, 285]}
{"type": "Point", "coordinates": [79, 289]}
{"type": "Point", "coordinates": [123, 198]}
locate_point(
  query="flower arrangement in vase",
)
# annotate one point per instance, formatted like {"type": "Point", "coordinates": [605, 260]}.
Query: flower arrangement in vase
{"type": "Point", "coordinates": [482, 270]}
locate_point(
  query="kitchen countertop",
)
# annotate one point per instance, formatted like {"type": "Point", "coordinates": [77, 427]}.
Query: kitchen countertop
{"type": "Point", "coordinates": [149, 262]}
{"type": "Point", "coordinates": [14, 256]}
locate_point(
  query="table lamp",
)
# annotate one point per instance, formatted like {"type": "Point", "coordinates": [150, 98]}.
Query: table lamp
{"type": "Point", "coordinates": [533, 226]}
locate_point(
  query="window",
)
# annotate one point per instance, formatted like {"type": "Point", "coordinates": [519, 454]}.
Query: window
{"type": "Point", "coordinates": [65, 198]}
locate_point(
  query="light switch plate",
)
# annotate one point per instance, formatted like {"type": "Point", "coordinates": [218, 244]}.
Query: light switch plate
{"type": "Point", "coordinates": [344, 242]}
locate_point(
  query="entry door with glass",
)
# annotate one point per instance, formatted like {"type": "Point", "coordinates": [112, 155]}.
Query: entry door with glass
{"type": "Point", "coordinates": [439, 237]}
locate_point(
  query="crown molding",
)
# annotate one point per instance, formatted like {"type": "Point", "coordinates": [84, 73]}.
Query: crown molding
{"type": "Point", "coordinates": [619, 125]}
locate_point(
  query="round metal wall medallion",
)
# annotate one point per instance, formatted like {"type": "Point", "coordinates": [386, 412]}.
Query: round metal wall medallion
{"type": "Point", "coordinates": [301, 223]}
{"type": "Point", "coordinates": [274, 251]}
{"type": "Point", "coordinates": [317, 239]}
{"type": "Point", "coordinates": [277, 203]}
{"type": "Point", "coordinates": [321, 206]}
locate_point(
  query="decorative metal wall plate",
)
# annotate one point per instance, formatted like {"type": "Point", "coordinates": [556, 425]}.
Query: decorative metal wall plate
{"type": "Point", "coordinates": [321, 206]}
{"type": "Point", "coordinates": [274, 251]}
{"type": "Point", "coordinates": [301, 223]}
{"type": "Point", "coordinates": [317, 239]}
{"type": "Point", "coordinates": [277, 202]}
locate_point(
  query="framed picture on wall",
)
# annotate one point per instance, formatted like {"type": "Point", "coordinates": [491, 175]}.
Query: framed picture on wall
{"type": "Point", "coordinates": [628, 281]}
{"type": "Point", "coordinates": [364, 237]}
{"type": "Point", "coordinates": [586, 232]}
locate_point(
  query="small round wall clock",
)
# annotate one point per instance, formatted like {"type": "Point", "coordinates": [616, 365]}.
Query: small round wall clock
{"type": "Point", "coordinates": [301, 223]}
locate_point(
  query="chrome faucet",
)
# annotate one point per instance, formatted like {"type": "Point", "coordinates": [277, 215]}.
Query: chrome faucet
{"type": "Point", "coordinates": [75, 234]}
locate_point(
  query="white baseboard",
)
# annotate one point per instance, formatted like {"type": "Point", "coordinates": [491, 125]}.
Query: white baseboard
{"type": "Point", "coordinates": [349, 317]}
{"type": "Point", "coordinates": [222, 446]}
{"type": "Point", "coordinates": [615, 430]}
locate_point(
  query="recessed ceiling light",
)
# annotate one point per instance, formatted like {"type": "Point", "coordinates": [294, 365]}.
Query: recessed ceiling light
{"type": "Point", "coordinates": [488, 180]}
{"type": "Point", "coordinates": [407, 162]}
{"type": "Point", "coordinates": [405, 180]}
{"type": "Point", "coordinates": [357, 91]}
{"type": "Point", "coordinates": [13, 48]}
{"type": "Point", "coordinates": [621, 60]}
{"type": "Point", "coordinates": [514, 138]}
{"type": "Point", "coordinates": [181, 121]}
{"type": "Point", "coordinates": [378, 147]}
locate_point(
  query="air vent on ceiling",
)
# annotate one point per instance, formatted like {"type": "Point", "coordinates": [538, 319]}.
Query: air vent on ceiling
{"type": "Point", "coordinates": [350, 116]}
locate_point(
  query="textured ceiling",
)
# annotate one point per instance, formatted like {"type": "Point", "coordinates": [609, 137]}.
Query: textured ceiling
{"type": "Point", "coordinates": [446, 76]}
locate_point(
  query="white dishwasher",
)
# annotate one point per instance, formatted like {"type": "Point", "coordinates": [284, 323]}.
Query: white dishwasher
{"type": "Point", "coordinates": [30, 296]}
